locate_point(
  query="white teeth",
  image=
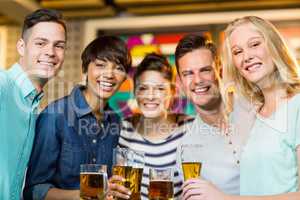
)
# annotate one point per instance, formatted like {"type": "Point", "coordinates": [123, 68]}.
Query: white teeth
{"type": "Point", "coordinates": [105, 84]}
{"type": "Point", "coordinates": [253, 67]}
{"type": "Point", "coordinates": [205, 89]}
{"type": "Point", "coordinates": [47, 63]}
{"type": "Point", "coordinates": [150, 105]}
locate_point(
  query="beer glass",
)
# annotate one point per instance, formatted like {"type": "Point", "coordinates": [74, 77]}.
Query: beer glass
{"type": "Point", "coordinates": [122, 160]}
{"type": "Point", "coordinates": [190, 163]}
{"type": "Point", "coordinates": [93, 181]}
{"type": "Point", "coordinates": [161, 184]}
{"type": "Point", "coordinates": [138, 162]}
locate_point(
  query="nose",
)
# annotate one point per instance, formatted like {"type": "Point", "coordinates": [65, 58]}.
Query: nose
{"type": "Point", "coordinates": [50, 51]}
{"type": "Point", "coordinates": [197, 79]}
{"type": "Point", "coordinates": [109, 72]}
{"type": "Point", "coordinates": [150, 94]}
{"type": "Point", "coordinates": [248, 56]}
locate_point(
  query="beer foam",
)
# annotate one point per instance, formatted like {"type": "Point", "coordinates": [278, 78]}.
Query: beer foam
{"type": "Point", "coordinates": [93, 173]}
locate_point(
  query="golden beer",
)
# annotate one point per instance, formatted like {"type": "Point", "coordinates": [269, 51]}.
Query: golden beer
{"type": "Point", "coordinates": [92, 185]}
{"type": "Point", "coordinates": [125, 172]}
{"type": "Point", "coordinates": [191, 170]}
{"type": "Point", "coordinates": [160, 190]}
{"type": "Point", "coordinates": [135, 183]}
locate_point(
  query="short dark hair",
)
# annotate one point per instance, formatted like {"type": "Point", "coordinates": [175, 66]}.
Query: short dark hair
{"type": "Point", "coordinates": [110, 48]}
{"type": "Point", "coordinates": [43, 15]}
{"type": "Point", "coordinates": [154, 62]}
{"type": "Point", "coordinates": [193, 42]}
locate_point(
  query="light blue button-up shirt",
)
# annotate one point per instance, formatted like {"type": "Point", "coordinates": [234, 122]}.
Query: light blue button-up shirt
{"type": "Point", "coordinates": [19, 102]}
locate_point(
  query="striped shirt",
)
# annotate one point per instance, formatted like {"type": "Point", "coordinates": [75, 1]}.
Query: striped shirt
{"type": "Point", "coordinates": [158, 154]}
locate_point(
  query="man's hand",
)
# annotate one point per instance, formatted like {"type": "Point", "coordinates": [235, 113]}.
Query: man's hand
{"type": "Point", "coordinates": [199, 189]}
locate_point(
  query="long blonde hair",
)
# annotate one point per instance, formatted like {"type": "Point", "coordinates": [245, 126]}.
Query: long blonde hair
{"type": "Point", "coordinates": [287, 69]}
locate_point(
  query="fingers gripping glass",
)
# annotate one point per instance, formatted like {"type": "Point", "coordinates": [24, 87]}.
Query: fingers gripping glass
{"type": "Point", "coordinates": [129, 164]}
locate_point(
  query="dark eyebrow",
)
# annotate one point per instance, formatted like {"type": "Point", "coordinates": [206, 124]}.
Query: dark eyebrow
{"type": "Point", "coordinates": [160, 85]}
{"type": "Point", "coordinates": [45, 40]}
{"type": "Point", "coordinates": [186, 71]}
{"type": "Point", "coordinates": [206, 67]}
{"type": "Point", "coordinates": [39, 38]}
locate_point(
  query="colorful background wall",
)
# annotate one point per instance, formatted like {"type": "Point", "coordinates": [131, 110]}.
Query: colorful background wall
{"type": "Point", "coordinates": [141, 44]}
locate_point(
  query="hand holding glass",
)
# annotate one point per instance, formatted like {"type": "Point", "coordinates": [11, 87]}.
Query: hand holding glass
{"type": "Point", "coordinates": [129, 165]}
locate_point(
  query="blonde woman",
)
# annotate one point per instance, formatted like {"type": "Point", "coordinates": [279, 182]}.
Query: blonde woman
{"type": "Point", "coordinates": [259, 64]}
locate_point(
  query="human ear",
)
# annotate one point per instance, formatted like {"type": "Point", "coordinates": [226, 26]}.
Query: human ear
{"type": "Point", "coordinates": [21, 47]}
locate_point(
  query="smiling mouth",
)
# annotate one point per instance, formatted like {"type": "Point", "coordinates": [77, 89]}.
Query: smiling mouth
{"type": "Point", "coordinates": [151, 105]}
{"type": "Point", "coordinates": [107, 86]}
{"type": "Point", "coordinates": [253, 67]}
{"type": "Point", "coordinates": [201, 90]}
{"type": "Point", "coordinates": [45, 63]}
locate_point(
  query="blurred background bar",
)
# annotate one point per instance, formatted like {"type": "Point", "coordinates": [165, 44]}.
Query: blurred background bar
{"type": "Point", "coordinates": [146, 26]}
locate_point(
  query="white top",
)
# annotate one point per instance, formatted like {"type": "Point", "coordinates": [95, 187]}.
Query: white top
{"type": "Point", "coordinates": [220, 165]}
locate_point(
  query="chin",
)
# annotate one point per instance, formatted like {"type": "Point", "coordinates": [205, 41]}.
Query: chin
{"type": "Point", "coordinates": [151, 115]}
{"type": "Point", "coordinates": [45, 76]}
{"type": "Point", "coordinates": [103, 96]}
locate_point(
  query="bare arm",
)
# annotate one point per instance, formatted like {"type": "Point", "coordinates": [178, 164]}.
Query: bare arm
{"type": "Point", "coordinates": [289, 196]}
{"type": "Point", "coordinates": [298, 160]}
{"type": "Point", "coordinates": [59, 194]}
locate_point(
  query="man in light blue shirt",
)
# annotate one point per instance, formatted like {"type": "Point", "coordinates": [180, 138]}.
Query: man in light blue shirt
{"type": "Point", "coordinates": [41, 49]}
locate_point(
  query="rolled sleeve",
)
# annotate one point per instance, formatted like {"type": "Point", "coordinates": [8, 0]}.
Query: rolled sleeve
{"type": "Point", "coordinates": [39, 191]}
{"type": "Point", "coordinates": [42, 165]}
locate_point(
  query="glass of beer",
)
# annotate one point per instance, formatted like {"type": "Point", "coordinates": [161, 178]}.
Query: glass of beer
{"type": "Point", "coordinates": [93, 181]}
{"type": "Point", "coordinates": [137, 164]}
{"type": "Point", "coordinates": [190, 164]}
{"type": "Point", "coordinates": [161, 184]}
{"type": "Point", "coordinates": [122, 160]}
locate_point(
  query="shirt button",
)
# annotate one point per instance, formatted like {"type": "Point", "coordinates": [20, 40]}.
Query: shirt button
{"type": "Point", "coordinates": [94, 141]}
{"type": "Point", "coordinates": [94, 160]}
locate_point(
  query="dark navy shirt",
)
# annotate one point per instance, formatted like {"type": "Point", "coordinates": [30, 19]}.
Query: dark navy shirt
{"type": "Point", "coordinates": [67, 135]}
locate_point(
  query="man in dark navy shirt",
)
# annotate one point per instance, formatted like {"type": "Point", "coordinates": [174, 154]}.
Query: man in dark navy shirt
{"type": "Point", "coordinates": [79, 128]}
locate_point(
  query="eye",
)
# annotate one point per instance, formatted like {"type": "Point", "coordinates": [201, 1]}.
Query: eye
{"type": "Point", "coordinates": [141, 88]}
{"type": "Point", "coordinates": [161, 88]}
{"type": "Point", "coordinates": [186, 73]}
{"type": "Point", "coordinates": [236, 52]}
{"type": "Point", "coordinates": [120, 68]}
{"type": "Point", "coordinates": [100, 65]}
{"type": "Point", "coordinates": [38, 43]}
{"type": "Point", "coordinates": [255, 44]}
{"type": "Point", "coordinates": [60, 46]}
{"type": "Point", "coordinates": [207, 69]}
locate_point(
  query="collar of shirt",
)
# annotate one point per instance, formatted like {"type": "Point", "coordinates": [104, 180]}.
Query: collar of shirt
{"type": "Point", "coordinates": [81, 107]}
{"type": "Point", "coordinates": [24, 83]}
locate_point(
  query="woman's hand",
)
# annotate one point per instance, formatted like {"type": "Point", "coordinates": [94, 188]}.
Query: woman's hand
{"type": "Point", "coordinates": [117, 190]}
{"type": "Point", "coordinates": [199, 189]}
